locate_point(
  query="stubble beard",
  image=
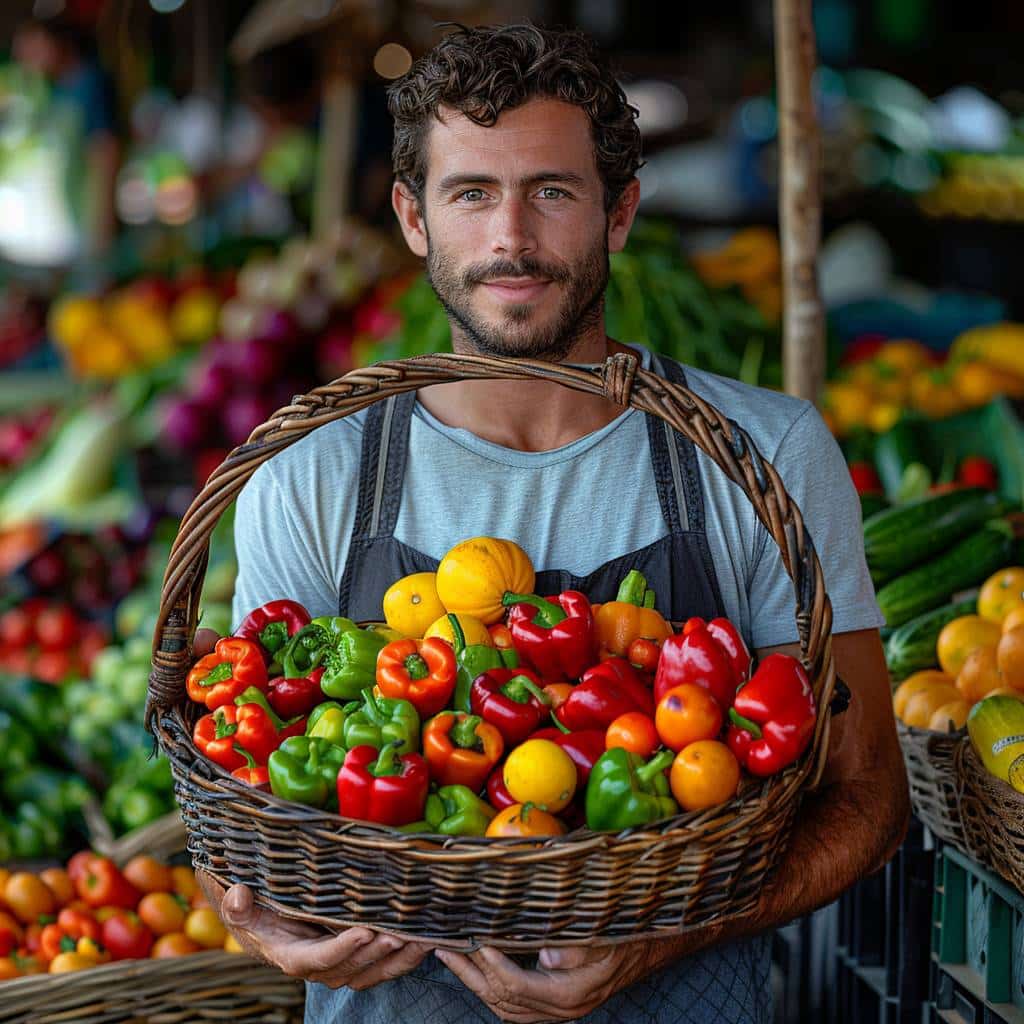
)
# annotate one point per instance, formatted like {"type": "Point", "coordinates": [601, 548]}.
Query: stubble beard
{"type": "Point", "coordinates": [582, 308]}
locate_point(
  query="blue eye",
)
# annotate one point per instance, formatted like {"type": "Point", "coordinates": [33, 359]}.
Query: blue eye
{"type": "Point", "coordinates": [549, 189]}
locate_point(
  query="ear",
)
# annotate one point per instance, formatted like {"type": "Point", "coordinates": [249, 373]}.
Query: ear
{"type": "Point", "coordinates": [408, 213]}
{"type": "Point", "coordinates": [620, 219]}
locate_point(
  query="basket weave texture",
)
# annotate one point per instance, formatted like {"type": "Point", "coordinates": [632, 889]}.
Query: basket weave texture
{"type": "Point", "coordinates": [204, 988]}
{"type": "Point", "coordinates": [993, 817]}
{"type": "Point", "coordinates": [583, 888]}
{"type": "Point", "coordinates": [934, 786]}
{"type": "Point", "coordinates": [162, 838]}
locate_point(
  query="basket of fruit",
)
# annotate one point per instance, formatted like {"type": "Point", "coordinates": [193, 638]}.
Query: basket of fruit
{"type": "Point", "coordinates": [990, 771]}
{"type": "Point", "coordinates": [311, 787]}
{"type": "Point", "coordinates": [122, 946]}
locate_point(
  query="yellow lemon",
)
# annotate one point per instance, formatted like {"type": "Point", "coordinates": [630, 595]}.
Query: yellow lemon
{"type": "Point", "coordinates": [412, 604]}
{"type": "Point", "coordinates": [540, 772]}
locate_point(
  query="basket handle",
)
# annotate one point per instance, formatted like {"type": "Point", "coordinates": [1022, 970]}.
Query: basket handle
{"type": "Point", "coordinates": [619, 379]}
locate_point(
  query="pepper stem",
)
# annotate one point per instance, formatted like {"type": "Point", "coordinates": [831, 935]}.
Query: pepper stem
{"type": "Point", "coordinates": [372, 709]}
{"type": "Point", "coordinates": [220, 673]}
{"type": "Point", "coordinates": [224, 729]}
{"type": "Point", "coordinates": [520, 688]}
{"type": "Point", "coordinates": [250, 761]}
{"type": "Point", "coordinates": [657, 764]}
{"type": "Point", "coordinates": [548, 613]}
{"type": "Point", "coordinates": [634, 590]}
{"type": "Point", "coordinates": [387, 763]}
{"type": "Point", "coordinates": [463, 733]}
{"type": "Point", "coordinates": [458, 634]}
{"type": "Point", "coordinates": [273, 636]}
{"type": "Point", "coordinates": [251, 695]}
{"type": "Point", "coordinates": [416, 667]}
{"type": "Point", "coordinates": [744, 723]}
{"type": "Point", "coordinates": [555, 719]}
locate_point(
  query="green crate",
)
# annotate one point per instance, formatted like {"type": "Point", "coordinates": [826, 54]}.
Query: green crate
{"type": "Point", "coordinates": [978, 929]}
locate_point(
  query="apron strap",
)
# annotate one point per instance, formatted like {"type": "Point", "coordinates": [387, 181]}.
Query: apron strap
{"type": "Point", "coordinates": [674, 459]}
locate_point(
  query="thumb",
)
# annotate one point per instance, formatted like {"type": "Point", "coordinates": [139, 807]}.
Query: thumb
{"type": "Point", "coordinates": [237, 907]}
{"type": "Point", "coordinates": [565, 959]}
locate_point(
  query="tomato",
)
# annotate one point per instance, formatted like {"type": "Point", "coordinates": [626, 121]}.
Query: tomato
{"type": "Point", "coordinates": [57, 628]}
{"type": "Point", "coordinates": [542, 773]}
{"type": "Point", "coordinates": [78, 866]}
{"type": "Point", "coordinates": [16, 628]}
{"type": "Point", "coordinates": [685, 714]}
{"type": "Point", "coordinates": [28, 897]}
{"type": "Point", "coordinates": [174, 944]}
{"type": "Point", "coordinates": [501, 636]}
{"type": "Point", "coordinates": [559, 693]}
{"type": "Point", "coordinates": [204, 928]}
{"type": "Point", "coordinates": [66, 962]}
{"type": "Point", "coordinates": [183, 882]}
{"type": "Point", "coordinates": [17, 662]}
{"type": "Point", "coordinates": [162, 912]}
{"type": "Point", "coordinates": [127, 938]}
{"type": "Point", "coordinates": [9, 968]}
{"type": "Point", "coordinates": [633, 731]}
{"type": "Point", "coordinates": [104, 885]}
{"type": "Point", "coordinates": [231, 945]}
{"type": "Point", "coordinates": [93, 639]}
{"type": "Point", "coordinates": [704, 774]}
{"type": "Point", "coordinates": [147, 874]}
{"type": "Point", "coordinates": [11, 934]}
{"type": "Point", "coordinates": [524, 820]}
{"type": "Point", "coordinates": [865, 478]}
{"type": "Point", "coordinates": [976, 471]}
{"type": "Point", "coordinates": [59, 883]}
{"type": "Point", "coordinates": [644, 654]}
{"type": "Point", "coordinates": [54, 666]}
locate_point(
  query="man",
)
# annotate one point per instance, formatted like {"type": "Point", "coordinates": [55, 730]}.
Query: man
{"type": "Point", "coordinates": [515, 157]}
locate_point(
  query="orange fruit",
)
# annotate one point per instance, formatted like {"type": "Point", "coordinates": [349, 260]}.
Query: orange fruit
{"type": "Point", "coordinates": [162, 913]}
{"type": "Point", "coordinates": [979, 676]}
{"type": "Point", "coordinates": [685, 714]}
{"type": "Point", "coordinates": [704, 774]}
{"type": "Point", "coordinates": [1010, 658]}
{"type": "Point", "coordinates": [524, 820]}
{"type": "Point", "coordinates": [961, 636]}
{"type": "Point", "coordinates": [1014, 619]}
{"type": "Point", "coordinates": [921, 706]}
{"type": "Point", "coordinates": [173, 944]}
{"type": "Point", "coordinates": [919, 682]}
{"type": "Point", "coordinates": [1001, 593]}
{"type": "Point", "coordinates": [978, 383]}
{"type": "Point", "coordinates": [950, 717]}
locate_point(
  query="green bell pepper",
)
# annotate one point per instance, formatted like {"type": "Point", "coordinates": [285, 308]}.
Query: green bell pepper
{"type": "Point", "coordinates": [17, 743]}
{"type": "Point", "coordinates": [473, 661]}
{"type": "Point", "coordinates": [39, 706]}
{"type": "Point", "coordinates": [57, 794]}
{"type": "Point", "coordinates": [327, 722]}
{"type": "Point", "coordinates": [457, 811]}
{"type": "Point", "coordinates": [140, 807]}
{"type": "Point", "coordinates": [352, 664]}
{"type": "Point", "coordinates": [383, 720]}
{"type": "Point", "coordinates": [335, 626]}
{"type": "Point", "coordinates": [624, 791]}
{"type": "Point", "coordinates": [34, 833]}
{"type": "Point", "coordinates": [305, 769]}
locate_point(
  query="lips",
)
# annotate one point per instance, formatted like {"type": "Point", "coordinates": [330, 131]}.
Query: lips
{"type": "Point", "coordinates": [512, 290]}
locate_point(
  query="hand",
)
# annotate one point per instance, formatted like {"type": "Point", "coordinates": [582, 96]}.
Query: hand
{"type": "Point", "coordinates": [356, 957]}
{"type": "Point", "coordinates": [569, 982]}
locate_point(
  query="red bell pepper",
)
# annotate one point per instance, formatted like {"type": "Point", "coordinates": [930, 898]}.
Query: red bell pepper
{"type": "Point", "coordinates": [423, 672]}
{"type": "Point", "coordinates": [259, 730]}
{"type": "Point", "coordinates": [512, 700]}
{"type": "Point", "coordinates": [606, 691]}
{"type": "Point", "coordinates": [233, 666]}
{"type": "Point", "coordinates": [498, 795]}
{"type": "Point", "coordinates": [214, 735]}
{"type": "Point", "coordinates": [379, 786]}
{"type": "Point", "coordinates": [709, 654]}
{"type": "Point", "coordinates": [584, 747]}
{"type": "Point", "coordinates": [103, 885]}
{"type": "Point", "coordinates": [273, 625]}
{"type": "Point", "coordinates": [558, 640]}
{"type": "Point", "coordinates": [461, 749]}
{"type": "Point", "coordinates": [293, 697]}
{"type": "Point", "coordinates": [251, 773]}
{"type": "Point", "coordinates": [772, 717]}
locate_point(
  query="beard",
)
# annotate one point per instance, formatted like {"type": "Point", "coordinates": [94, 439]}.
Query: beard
{"type": "Point", "coordinates": [582, 284]}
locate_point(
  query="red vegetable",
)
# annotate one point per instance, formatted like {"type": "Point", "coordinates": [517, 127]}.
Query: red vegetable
{"type": "Point", "coordinates": [710, 654]}
{"type": "Point", "coordinates": [606, 691]}
{"type": "Point", "coordinates": [865, 478]}
{"type": "Point", "coordinates": [512, 700]}
{"type": "Point", "coordinates": [379, 786]}
{"type": "Point", "coordinates": [976, 471]}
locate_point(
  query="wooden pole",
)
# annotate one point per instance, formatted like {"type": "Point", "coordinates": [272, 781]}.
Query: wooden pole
{"type": "Point", "coordinates": [803, 338]}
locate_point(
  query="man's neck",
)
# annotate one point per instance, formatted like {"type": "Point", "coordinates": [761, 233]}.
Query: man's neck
{"type": "Point", "coordinates": [531, 416]}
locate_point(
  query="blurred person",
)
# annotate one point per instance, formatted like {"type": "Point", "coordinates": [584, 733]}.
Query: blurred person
{"type": "Point", "coordinates": [59, 50]}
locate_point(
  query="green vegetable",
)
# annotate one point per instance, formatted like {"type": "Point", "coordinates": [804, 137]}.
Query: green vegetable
{"type": "Point", "coordinates": [454, 811]}
{"type": "Point", "coordinates": [967, 564]}
{"type": "Point", "coordinates": [895, 451]}
{"type": "Point", "coordinates": [380, 721]}
{"type": "Point", "coordinates": [351, 666]}
{"type": "Point", "coordinates": [306, 770]}
{"type": "Point", "coordinates": [17, 744]}
{"type": "Point", "coordinates": [911, 647]}
{"type": "Point", "coordinates": [34, 834]}
{"type": "Point", "coordinates": [624, 791]}
{"type": "Point", "coordinates": [327, 722]}
{"type": "Point", "coordinates": [57, 794]}
{"type": "Point", "coordinates": [473, 661]}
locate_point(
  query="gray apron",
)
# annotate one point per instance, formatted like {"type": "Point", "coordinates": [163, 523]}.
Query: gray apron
{"type": "Point", "coordinates": [729, 984]}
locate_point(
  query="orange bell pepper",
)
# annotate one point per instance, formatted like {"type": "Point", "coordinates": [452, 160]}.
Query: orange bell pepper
{"type": "Point", "coordinates": [423, 672]}
{"type": "Point", "coordinates": [461, 749]}
{"type": "Point", "coordinates": [631, 616]}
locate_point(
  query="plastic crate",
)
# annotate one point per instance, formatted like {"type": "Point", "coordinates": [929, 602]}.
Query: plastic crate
{"type": "Point", "coordinates": [977, 939]}
{"type": "Point", "coordinates": [861, 997]}
{"type": "Point", "coordinates": [955, 1003]}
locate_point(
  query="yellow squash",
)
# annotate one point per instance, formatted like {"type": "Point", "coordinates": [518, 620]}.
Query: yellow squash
{"type": "Point", "coordinates": [477, 573]}
{"type": "Point", "coordinates": [411, 604]}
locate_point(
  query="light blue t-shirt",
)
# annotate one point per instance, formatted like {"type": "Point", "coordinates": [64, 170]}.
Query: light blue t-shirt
{"type": "Point", "coordinates": [574, 508]}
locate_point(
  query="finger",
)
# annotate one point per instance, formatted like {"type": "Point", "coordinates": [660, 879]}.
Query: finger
{"type": "Point", "coordinates": [394, 966]}
{"type": "Point", "coordinates": [238, 910]}
{"type": "Point", "coordinates": [568, 958]}
{"type": "Point", "coordinates": [304, 957]}
{"type": "Point", "coordinates": [468, 973]}
{"type": "Point", "coordinates": [553, 993]}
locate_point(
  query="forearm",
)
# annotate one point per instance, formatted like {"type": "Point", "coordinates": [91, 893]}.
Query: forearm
{"type": "Point", "coordinates": [842, 834]}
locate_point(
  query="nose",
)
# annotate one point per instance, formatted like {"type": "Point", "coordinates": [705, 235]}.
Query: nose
{"type": "Point", "coordinates": [512, 229]}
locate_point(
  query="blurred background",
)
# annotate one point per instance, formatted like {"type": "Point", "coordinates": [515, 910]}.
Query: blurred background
{"type": "Point", "coordinates": [195, 225]}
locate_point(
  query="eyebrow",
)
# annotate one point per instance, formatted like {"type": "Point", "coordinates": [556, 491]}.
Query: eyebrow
{"type": "Point", "coordinates": [453, 181]}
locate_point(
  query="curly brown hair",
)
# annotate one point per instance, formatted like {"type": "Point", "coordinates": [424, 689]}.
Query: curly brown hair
{"type": "Point", "coordinates": [486, 70]}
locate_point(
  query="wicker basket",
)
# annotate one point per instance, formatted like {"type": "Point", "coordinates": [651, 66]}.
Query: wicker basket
{"type": "Point", "coordinates": [934, 789]}
{"type": "Point", "coordinates": [204, 988]}
{"type": "Point", "coordinates": [993, 817]}
{"type": "Point", "coordinates": [460, 892]}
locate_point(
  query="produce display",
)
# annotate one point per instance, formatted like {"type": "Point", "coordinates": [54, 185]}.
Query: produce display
{"type": "Point", "coordinates": [481, 708]}
{"type": "Point", "coordinates": [90, 912]}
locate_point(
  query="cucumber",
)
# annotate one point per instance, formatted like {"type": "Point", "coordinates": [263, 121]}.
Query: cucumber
{"type": "Point", "coordinates": [898, 538]}
{"type": "Point", "coordinates": [965, 565]}
{"type": "Point", "coordinates": [912, 646]}
{"type": "Point", "coordinates": [872, 504]}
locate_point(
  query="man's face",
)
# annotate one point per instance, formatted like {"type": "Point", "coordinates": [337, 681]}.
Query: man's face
{"type": "Point", "coordinates": [517, 244]}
